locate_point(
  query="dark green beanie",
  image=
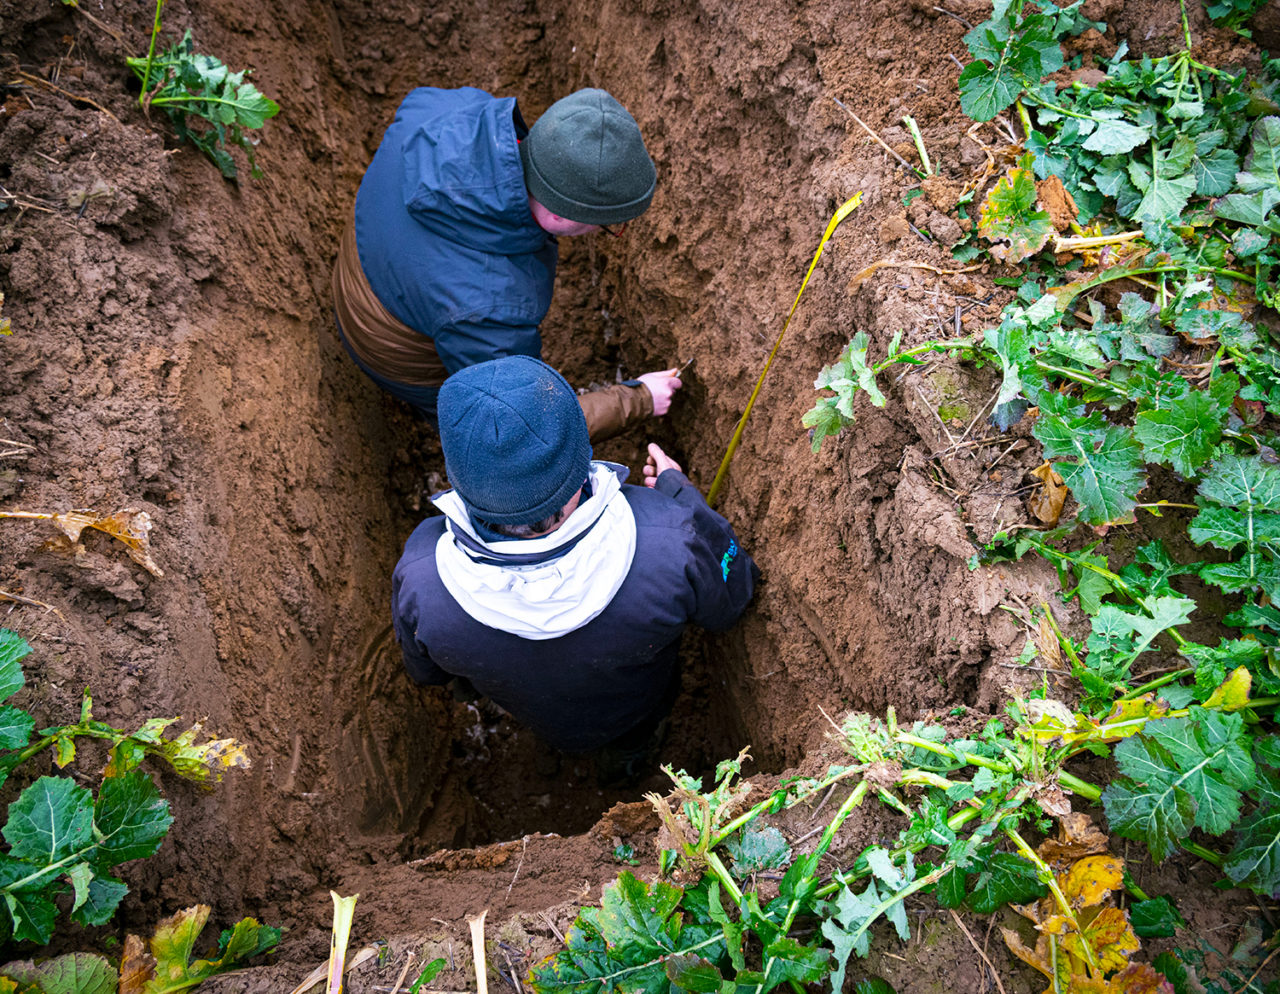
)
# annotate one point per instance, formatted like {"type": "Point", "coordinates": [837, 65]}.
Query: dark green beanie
{"type": "Point", "coordinates": [584, 159]}
{"type": "Point", "coordinates": [514, 438]}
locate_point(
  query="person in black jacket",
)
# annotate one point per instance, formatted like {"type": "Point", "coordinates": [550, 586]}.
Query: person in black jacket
{"type": "Point", "coordinates": [558, 591]}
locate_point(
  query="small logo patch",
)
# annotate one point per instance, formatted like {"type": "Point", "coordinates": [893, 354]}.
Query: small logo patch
{"type": "Point", "coordinates": [727, 560]}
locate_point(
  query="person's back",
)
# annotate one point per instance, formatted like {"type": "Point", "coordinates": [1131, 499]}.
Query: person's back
{"type": "Point", "coordinates": [574, 631]}
{"type": "Point", "coordinates": [450, 257]}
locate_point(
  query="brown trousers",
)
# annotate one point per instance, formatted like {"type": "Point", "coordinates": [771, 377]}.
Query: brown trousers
{"type": "Point", "coordinates": [392, 349]}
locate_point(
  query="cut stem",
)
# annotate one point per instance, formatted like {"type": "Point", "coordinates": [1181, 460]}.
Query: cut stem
{"type": "Point", "coordinates": [910, 122]}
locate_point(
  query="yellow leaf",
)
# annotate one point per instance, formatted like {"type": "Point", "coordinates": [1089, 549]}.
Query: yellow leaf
{"type": "Point", "coordinates": [199, 762]}
{"type": "Point", "coordinates": [1110, 937]}
{"type": "Point", "coordinates": [1234, 692]}
{"type": "Point", "coordinates": [130, 526]}
{"type": "Point", "coordinates": [1090, 880]}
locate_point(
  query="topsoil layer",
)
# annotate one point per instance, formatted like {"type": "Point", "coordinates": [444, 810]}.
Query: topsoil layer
{"type": "Point", "coordinates": [173, 351]}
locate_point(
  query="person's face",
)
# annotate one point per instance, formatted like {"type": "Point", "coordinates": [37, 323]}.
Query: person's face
{"type": "Point", "coordinates": [554, 224]}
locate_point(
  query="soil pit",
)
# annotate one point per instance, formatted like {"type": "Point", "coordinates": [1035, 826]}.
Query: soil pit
{"type": "Point", "coordinates": [173, 351]}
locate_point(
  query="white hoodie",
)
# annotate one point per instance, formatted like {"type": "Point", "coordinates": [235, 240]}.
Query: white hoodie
{"type": "Point", "coordinates": [547, 599]}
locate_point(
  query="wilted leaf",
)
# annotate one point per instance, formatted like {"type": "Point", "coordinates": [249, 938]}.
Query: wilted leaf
{"type": "Point", "coordinates": [1047, 499]}
{"type": "Point", "coordinates": [137, 966]}
{"type": "Point", "coordinates": [74, 973]}
{"type": "Point", "coordinates": [130, 526]}
{"type": "Point", "coordinates": [1009, 218]}
{"type": "Point", "coordinates": [205, 760]}
{"type": "Point", "coordinates": [171, 967]}
{"type": "Point", "coordinates": [1077, 837]}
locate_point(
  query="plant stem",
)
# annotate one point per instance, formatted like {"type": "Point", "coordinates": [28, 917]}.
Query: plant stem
{"type": "Point", "coordinates": [1047, 876]}
{"type": "Point", "coordinates": [1067, 646]}
{"type": "Point", "coordinates": [1077, 786]}
{"type": "Point", "coordinates": [910, 122]}
{"type": "Point", "coordinates": [716, 865]}
{"type": "Point", "coordinates": [151, 52]}
{"type": "Point", "coordinates": [776, 803]}
{"type": "Point", "coordinates": [1159, 681]}
{"type": "Point", "coordinates": [933, 345]}
{"type": "Point", "coordinates": [1025, 118]}
{"type": "Point", "coordinates": [1208, 855]}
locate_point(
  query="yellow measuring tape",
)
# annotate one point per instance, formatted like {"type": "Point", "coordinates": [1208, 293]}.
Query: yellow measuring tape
{"type": "Point", "coordinates": [844, 211]}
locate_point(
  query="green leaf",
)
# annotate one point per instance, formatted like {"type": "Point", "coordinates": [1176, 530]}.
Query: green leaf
{"type": "Point", "coordinates": [1106, 471]}
{"type": "Point", "coordinates": [104, 897]}
{"type": "Point", "coordinates": [825, 420]}
{"type": "Point", "coordinates": [786, 961]}
{"type": "Point", "coordinates": [15, 727]}
{"type": "Point", "coordinates": [626, 941]}
{"type": "Point", "coordinates": [1261, 170]}
{"type": "Point", "coordinates": [1178, 773]}
{"type": "Point", "coordinates": [1247, 491]}
{"type": "Point", "coordinates": [31, 914]}
{"type": "Point", "coordinates": [174, 942]}
{"type": "Point", "coordinates": [758, 848]}
{"type": "Point", "coordinates": [1248, 208]}
{"type": "Point", "coordinates": [1155, 918]}
{"type": "Point", "coordinates": [428, 974]}
{"type": "Point", "coordinates": [1005, 878]}
{"type": "Point", "coordinates": [987, 90]}
{"type": "Point", "coordinates": [50, 820]}
{"type": "Point", "coordinates": [13, 649]}
{"type": "Point", "coordinates": [1214, 170]}
{"type": "Point", "coordinates": [73, 973]}
{"type": "Point", "coordinates": [131, 818]}
{"type": "Point", "coordinates": [1254, 861]}
{"type": "Point", "coordinates": [1183, 434]}
{"type": "Point", "coordinates": [1116, 137]}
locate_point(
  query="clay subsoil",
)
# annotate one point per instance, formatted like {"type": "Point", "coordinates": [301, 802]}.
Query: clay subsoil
{"type": "Point", "coordinates": [173, 352]}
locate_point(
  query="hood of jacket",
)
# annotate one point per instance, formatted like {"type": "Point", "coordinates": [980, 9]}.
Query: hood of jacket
{"type": "Point", "coordinates": [580, 565]}
{"type": "Point", "coordinates": [462, 178]}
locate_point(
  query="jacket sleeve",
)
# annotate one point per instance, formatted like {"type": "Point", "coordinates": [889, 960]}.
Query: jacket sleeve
{"type": "Point", "coordinates": [722, 574]}
{"type": "Point", "coordinates": [466, 342]}
{"type": "Point", "coordinates": [614, 409]}
{"type": "Point", "coordinates": [417, 660]}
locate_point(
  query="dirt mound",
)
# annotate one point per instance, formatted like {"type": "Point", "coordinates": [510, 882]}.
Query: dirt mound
{"type": "Point", "coordinates": [173, 351]}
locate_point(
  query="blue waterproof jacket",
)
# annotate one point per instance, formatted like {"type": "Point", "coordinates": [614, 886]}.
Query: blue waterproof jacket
{"type": "Point", "coordinates": [592, 685]}
{"type": "Point", "coordinates": [444, 232]}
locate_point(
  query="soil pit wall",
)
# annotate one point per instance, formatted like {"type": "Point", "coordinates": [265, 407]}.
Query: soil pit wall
{"type": "Point", "coordinates": [173, 351]}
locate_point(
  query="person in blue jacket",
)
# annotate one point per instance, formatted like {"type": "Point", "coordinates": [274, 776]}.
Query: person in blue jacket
{"type": "Point", "coordinates": [450, 258]}
{"type": "Point", "coordinates": [556, 589]}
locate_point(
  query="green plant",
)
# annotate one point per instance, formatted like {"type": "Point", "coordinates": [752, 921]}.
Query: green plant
{"type": "Point", "coordinates": [164, 966]}
{"type": "Point", "coordinates": [209, 105]}
{"type": "Point", "coordinates": [964, 802]}
{"type": "Point", "coordinates": [60, 835]}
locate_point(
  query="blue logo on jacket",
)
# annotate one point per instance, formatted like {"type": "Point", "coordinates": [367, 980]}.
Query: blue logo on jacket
{"type": "Point", "coordinates": [727, 560]}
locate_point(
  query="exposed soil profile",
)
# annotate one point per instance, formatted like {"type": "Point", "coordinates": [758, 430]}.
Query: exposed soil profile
{"type": "Point", "coordinates": [173, 351]}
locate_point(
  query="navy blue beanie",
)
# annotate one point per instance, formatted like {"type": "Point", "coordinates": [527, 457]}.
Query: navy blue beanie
{"type": "Point", "coordinates": [515, 439]}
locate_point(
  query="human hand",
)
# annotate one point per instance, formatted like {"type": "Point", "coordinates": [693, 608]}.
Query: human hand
{"type": "Point", "coordinates": [662, 385]}
{"type": "Point", "coordinates": [658, 462]}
